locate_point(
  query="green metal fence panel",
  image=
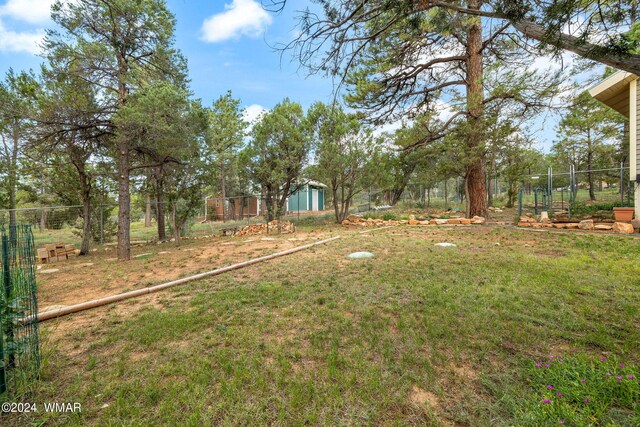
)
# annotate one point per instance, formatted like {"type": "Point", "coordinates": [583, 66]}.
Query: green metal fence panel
{"type": "Point", "coordinates": [19, 343]}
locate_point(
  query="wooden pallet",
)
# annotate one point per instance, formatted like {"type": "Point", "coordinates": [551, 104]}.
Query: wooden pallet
{"type": "Point", "coordinates": [55, 252]}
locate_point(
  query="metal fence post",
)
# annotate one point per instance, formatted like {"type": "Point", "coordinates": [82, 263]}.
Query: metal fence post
{"type": "Point", "coordinates": [622, 183]}
{"type": "Point", "coordinates": [520, 190]}
{"type": "Point", "coordinates": [550, 190]}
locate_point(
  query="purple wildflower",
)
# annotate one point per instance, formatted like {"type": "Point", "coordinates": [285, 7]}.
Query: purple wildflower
{"type": "Point", "coordinates": [546, 401]}
{"type": "Point", "coordinates": [538, 365]}
{"type": "Point", "coordinates": [583, 381]}
{"type": "Point", "coordinates": [622, 365]}
{"type": "Point", "coordinates": [630, 377]}
{"type": "Point", "coordinates": [619, 377]}
{"type": "Point", "coordinates": [586, 400]}
{"type": "Point", "coordinates": [560, 395]}
{"type": "Point", "coordinates": [603, 358]}
{"type": "Point", "coordinates": [561, 422]}
{"type": "Point", "coordinates": [546, 365]}
{"type": "Point", "coordinates": [550, 387]}
{"type": "Point", "coordinates": [550, 357]}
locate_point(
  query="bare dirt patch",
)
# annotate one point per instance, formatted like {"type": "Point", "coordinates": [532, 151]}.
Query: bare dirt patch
{"type": "Point", "coordinates": [419, 396]}
{"type": "Point", "coordinates": [466, 372]}
{"type": "Point", "coordinates": [98, 276]}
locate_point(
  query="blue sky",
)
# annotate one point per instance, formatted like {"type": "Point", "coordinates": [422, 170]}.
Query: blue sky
{"type": "Point", "coordinates": [227, 44]}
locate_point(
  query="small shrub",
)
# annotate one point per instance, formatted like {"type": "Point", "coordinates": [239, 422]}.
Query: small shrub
{"type": "Point", "coordinates": [389, 216]}
{"type": "Point", "coordinates": [580, 390]}
{"type": "Point", "coordinates": [579, 209]}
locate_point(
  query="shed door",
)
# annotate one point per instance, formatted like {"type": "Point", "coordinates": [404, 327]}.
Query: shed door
{"type": "Point", "coordinates": [314, 200]}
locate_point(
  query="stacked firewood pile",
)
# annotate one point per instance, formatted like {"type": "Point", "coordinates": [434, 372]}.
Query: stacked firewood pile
{"type": "Point", "coordinates": [270, 227]}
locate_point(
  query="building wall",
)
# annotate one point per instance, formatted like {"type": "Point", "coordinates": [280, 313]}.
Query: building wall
{"type": "Point", "coordinates": [298, 201]}
{"type": "Point", "coordinates": [237, 207]}
{"type": "Point", "coordinates": [303, 199]}
{"type": "Point", "coordinates": [635, 142]}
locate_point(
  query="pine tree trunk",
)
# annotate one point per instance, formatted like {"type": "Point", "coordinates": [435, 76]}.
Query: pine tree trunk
{"type": "Point", "coordinates": [446, 196]}
{"type": "Point", "coordinates": [269, 202]}
{"type": "Point", "coordinates": [511, 195]}
{"type": "Point", "coordinates": [124, 202]}
{"type": "Point", "coordinates": [13, 180]}
{"type": "Point", "coordinates": [162, 232]}
{"type": "Point", "coordinates": [43, 219]}
{"type": "Point", "coordinates": [224, 192]}
{"type": "Point", "coordinates": [475, 176]}
{"type": "Point", "coordinates": [176, 227]}
{"type": "Point", "coordinates": [124, 194]}
{"type": "Point", "coordinates": [86, 227]}
{"type": "Point", "coordinates": [334, 195]}
{"type": "Point", "coordinates": [147, 213]}
{"type": "Point", "coordinates": [85, 186]}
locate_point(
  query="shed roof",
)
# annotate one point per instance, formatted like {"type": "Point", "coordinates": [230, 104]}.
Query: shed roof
{"type": "Point", "coordinates": [614, 91]}
{"type": "Point", "coordinates": [316, 184]}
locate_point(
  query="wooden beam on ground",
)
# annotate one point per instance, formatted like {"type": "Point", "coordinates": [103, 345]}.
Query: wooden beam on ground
{"type": "Point", "coordinates": [46, 315]}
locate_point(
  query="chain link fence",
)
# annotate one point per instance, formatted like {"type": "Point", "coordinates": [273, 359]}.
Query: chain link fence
{"type": "Point", "coordinates": [65, 224]}
{"type": "Point", "coordinates": [576, 193]}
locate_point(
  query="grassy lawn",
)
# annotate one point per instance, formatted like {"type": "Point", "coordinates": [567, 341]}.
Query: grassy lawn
{"type": "Point", "coordinates": [417, 335]}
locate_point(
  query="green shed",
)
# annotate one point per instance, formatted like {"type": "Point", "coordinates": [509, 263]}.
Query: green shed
{"type": "Point", "coordinates": [310, 197]}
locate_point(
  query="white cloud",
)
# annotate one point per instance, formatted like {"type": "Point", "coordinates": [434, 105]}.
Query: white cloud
{"type": "Point", "coordinates": [28, 41]}
{"type": "Point", "coordinates": [240, 18]}
{"type": "Point", "coordinates": [387, 127]}
{"type": "Point", "coordinates": [547, 63]}
{"type": "Point", "coordinates": [31, 11]}
{"type": "Point", "coordinates": [444, 110]}
{"type": "Point", "coordinates": [253, 112]}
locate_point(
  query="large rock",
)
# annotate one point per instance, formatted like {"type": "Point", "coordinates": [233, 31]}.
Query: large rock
{"type": "Point", "coordinates": [527, 219]}
{"type": "Point", "coordinates": [453, 221]}
{"type": "Point", "coordinates": [477, 220]}
{"type": "Point", "coordinates": [413, 222]}
{"type": "Point", "coordinates": [623, 227]}
{"type": "Point", "coordinates": [441, 221]}
{"type": "Point", "coordinates": [524, 224]}
{"type": "Point", "coordinates": [602, 227]}
{"type": "Point", "coordinates": [353, 218]}
{"type": "Point", "coordinates": [587, 224]}
{"type": "Point", "coordinates": [573, 226]}
{"type": "Point", "coordinates": [465, 221]}
{"type": "Point", "coordinates": [559, 225]}
{"type": "Point", "coordinates": [412, 217]}
{"type": "Point", "coordinates": [635, 223]}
